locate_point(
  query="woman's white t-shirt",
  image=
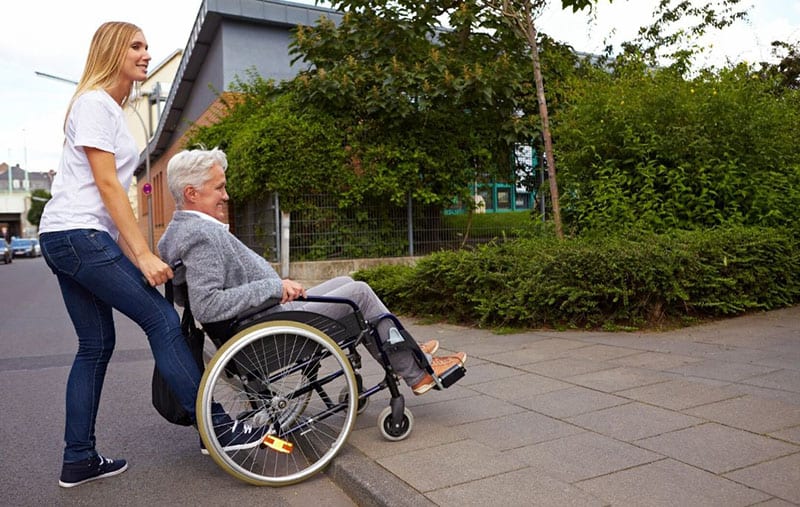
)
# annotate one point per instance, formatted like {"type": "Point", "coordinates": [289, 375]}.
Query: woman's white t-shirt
{"type": "Point", "coordinates": [95, 121]}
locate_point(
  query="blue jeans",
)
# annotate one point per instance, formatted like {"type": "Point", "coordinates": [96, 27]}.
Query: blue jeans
{"type": "Point", "coordinates": [96, 277]}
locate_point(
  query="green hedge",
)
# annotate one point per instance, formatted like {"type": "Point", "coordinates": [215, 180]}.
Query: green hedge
{"type": "Point", "coordinates": [603, 281]}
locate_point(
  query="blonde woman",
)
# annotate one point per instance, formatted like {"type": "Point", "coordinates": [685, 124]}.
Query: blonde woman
{"type": "Point", "coordinates": [91, 241]}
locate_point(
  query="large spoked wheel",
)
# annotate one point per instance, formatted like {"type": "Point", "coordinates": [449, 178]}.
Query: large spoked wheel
{"type": "Point", "coordinates": [290, 377]}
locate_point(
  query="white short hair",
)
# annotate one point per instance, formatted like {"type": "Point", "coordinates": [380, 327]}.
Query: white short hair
{"type": "Point", "coordinates": [191, 168]}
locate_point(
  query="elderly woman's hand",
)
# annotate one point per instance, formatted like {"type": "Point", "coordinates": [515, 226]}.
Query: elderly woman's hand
{"type": "Point", "coordinates": [291, 291]}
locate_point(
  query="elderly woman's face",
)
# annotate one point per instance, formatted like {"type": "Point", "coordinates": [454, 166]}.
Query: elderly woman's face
{"type": "Point", "coordinates": [211, 197]}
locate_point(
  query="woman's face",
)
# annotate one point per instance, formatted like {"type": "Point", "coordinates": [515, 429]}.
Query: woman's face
{"type": "Point", "coordinates": [137, 58]}
{"type": "Point", "coordinates": [211, 197]}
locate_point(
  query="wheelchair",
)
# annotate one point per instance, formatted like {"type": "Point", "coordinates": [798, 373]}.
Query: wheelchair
{"type": "Point", "coordinates": [297, 374]}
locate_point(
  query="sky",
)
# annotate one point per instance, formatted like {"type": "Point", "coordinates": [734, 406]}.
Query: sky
{"type": "Point", "coordinates": [52, 37]}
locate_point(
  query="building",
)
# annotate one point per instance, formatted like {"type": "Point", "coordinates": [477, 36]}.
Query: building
{"type": "Point", "coordinates": [230, 39]}
{"type": "Point", "coordinates": [16, 185]}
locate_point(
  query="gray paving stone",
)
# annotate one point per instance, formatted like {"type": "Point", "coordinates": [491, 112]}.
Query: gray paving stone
{"type": "Point", "coordinates": [669, 483]}
{"type": "Point", "coordinates": [735, 354]}
{"type": "Point", "coordinates": [541, 350]}
{"type": "Point", "coordinates": [446, 333]}
{"type": "Point", "coordinates": [750, 413]}
{"type": "Point", "coordinates": [765, 393]}
{"type": "Point", "coordinates": [775, 502]}
{"type": "Point", "coordinates": [516, 430]}
{"type": "Point", "coordinates": [454, 392]}
{"type": "Point", "coordinates": [789, 434]}
{"type": "Point", "coordinates": [519, 386]}
{"type": "Point", "coordinates": [779, 477]}
{"type": "Point", "coordinates": [618, 379]}
{"type": "Point", "coordinates": [633, 421]}
{"type": "Point", "coordinates": [679, 394]}
{"type": "Point", "coordinates": [564, 367]}
{"type": "Point", "coordinates": [717, 448]}
{"type": "Point", "coordinates": [786, 380]}
{"type": "Point", "coordinates": [453, 412]}
{"type": "Point", "coordinates": [655, 360]}
{"type": "Point", "coordinates": [425, 434]}
{"type": "Point", "coordinates": [786, 360]}
{"type": "Point", "coordinates": [520, 488]}
{"type": "Point", "coordinates": [583, 456]}
{"type": "Point", "coordinates": [601, 352]}
{"type": "Point", "coordinates": [722, 370]}
{"type": "Point", "coordinates": [486, 372]}
{"type": "Point", "coordinates": [752, 338]}
{"type": "Point", "coordinates": [442, 466]}
{"type": "Point", "coordinates": [570, 402]}
{"type": "Point", "coordinates": [495, 344]}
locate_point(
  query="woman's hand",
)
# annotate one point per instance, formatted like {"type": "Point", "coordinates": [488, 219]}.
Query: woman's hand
{"type": "Point", "coordinates": [291, 291]}
{"type": "Point", "coordinates": [154, 269]}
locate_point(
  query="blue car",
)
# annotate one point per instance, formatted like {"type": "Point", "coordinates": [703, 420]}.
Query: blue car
{"type": "Point", "coordinates": [25, 247]}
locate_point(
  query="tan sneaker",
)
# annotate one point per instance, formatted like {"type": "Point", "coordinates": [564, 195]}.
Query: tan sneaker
{"type": "Point", "coordinates": [461, 356]}
{"type": "Point", "coordinates": [429, 347]}
{"type": "Point", "coordinates": [439, 365]}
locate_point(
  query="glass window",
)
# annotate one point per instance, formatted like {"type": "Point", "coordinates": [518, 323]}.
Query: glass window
{"type": "Point", "coordinates": [503, 198]}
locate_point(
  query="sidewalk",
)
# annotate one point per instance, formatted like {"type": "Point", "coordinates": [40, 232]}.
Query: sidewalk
{"type": "Point", "coordinates": [706, 415]}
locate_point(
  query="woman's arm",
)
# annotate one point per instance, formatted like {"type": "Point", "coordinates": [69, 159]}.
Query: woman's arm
{"type": "Point", "coordinates": [104, 170]}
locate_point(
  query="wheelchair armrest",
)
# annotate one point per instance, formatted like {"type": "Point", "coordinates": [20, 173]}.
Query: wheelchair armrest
{"type": "Point", "coordinates": [266, 305]}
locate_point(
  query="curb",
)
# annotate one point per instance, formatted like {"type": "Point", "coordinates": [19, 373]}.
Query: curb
{"type": "Point", "coordinates": [369, 484]}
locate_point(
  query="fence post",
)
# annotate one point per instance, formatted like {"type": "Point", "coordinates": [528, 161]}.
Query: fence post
{"type": "Point", "coordinates": [285, 224]}
{"type": "Point", "coordinates": [410, 213]}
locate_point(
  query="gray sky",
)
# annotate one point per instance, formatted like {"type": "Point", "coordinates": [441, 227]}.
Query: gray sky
{"type": "Point", "coordinates": [52, 36]}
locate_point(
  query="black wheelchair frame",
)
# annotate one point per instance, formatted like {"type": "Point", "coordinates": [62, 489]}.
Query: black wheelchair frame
{"type": "Point", "coordinates": [279, 368]}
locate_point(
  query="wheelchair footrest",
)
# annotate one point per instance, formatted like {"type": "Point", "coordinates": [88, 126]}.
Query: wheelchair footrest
{"type": "Point", "coordinates": [451, 376]}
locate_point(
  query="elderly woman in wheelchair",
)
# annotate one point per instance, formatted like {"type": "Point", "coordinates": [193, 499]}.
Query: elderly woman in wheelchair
{"type": "Point", "coordinates": [287, 363]}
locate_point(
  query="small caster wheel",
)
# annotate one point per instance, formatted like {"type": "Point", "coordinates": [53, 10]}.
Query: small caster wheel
{"type": "Point", "coordinates": [362, 403]}
{"type": "Point", "coordinates": [395, 432]}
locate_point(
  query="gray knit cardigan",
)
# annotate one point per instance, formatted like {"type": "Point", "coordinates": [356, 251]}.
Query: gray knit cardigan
{"type": "Point", "coordinates": [224, 276]}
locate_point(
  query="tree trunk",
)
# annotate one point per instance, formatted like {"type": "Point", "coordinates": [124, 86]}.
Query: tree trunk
{"type": "Point", "coordinates": [548, 139]}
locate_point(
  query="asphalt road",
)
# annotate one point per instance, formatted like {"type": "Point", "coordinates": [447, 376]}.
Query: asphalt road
{"type": "Point", "coordinates": [37, 344]}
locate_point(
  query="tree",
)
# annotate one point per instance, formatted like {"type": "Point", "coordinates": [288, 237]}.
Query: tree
{"type": "Point", "coordinates": [425, 111]}
{"type": "Point", "coordinates": [787, 71]}
{"type": "Point", "coordinates": [39, 198]}
{"type": "Point", "coordinates": [266, 134]}
{"type": "Point", "coordinates": [521, 16]}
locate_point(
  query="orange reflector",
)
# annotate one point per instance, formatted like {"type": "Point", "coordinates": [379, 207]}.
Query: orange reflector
{"type": "Point", "coordinates": [277, 444]}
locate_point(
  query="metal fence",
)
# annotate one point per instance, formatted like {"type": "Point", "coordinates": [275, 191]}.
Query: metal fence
{"type": "Point", "coordinates": [325, 230]}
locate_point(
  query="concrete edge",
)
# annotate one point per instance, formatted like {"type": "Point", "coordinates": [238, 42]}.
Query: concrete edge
{"type": "Point", "coordinates": [369, 484]}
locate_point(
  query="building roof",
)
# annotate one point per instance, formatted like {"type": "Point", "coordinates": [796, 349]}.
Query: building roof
{"type": "Point", "coordinates": [202, 51]}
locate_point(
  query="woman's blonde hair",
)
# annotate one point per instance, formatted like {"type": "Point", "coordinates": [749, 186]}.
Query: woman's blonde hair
{"type": "Point", "coordinates": [106, 55]}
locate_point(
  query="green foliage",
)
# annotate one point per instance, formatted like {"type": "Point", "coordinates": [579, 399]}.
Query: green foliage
{"type": "Point", "coordinates": [786, 73]}
{"type": "Point", "coordinates": [602, 280]}
{"type": "Point", "coordinates": [508, 221]}
{"type": "Point", "coordinates": [276, 145]}
{"type": "Point", "coordinates": [649, 149]}
{"type": "Point", "coordinates": [37, 205]}
{"type": "Point", "coordinates": [426, 111]}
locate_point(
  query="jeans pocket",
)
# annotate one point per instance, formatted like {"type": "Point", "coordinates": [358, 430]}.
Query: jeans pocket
{"type": "Point", "coordinates": [59, 253]}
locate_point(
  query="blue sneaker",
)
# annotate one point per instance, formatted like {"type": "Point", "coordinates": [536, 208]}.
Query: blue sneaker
{"type": "Point", "coordinates": [98, 467]}
{"type": "Point", "coordinates": [235, 435]}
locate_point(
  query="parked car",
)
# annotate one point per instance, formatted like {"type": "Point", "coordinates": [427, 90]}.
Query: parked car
{"type": "Point", "coordinates": [26, 247]}
{"type": "Point", "coordinates": [5, 251]}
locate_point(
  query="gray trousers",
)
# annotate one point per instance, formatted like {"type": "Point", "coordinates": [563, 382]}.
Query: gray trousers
{"type": "Point", "coordinates": [371, 306]}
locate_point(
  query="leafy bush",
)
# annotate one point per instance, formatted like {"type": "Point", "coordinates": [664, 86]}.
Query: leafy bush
{"type": "Point", "coordinates": [637, 280]}
{"type": "Point", "coordinates": [652, 149]}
